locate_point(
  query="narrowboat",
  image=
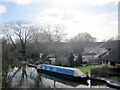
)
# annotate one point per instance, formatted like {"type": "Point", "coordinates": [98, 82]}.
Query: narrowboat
{"type": "Point", "coordinates": [62, 72]}
{"type": "Point", "coordinates": [112, 84]}
{"type": "Point", "coordinates": [56, 79]}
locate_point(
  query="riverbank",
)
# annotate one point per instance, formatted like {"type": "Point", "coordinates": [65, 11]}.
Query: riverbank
{"type": "Point", "coordinates": [110, 82]}
{"type": "Point", "coordinates": [85, 69]}
{"type": "Point", "coordinates": [108, 74]}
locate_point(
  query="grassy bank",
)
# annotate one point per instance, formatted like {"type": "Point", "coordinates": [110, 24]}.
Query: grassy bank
{"type": "Point", "coordinates": [115, 78]}
{"type": "Point", "coordinates": [85, 69]}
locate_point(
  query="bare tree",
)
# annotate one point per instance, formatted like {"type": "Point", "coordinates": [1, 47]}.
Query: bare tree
{"type": "Point", "coordinates": [71, 59]}
{"type": "Point", "coordinates": [85, 37]}
{"type": "Point", "coordinates": [54, 35]}
{"type": "Point", "coordinates": [21, 31]}
{"type": "Point", "coordinates": [113, 38]}
{"type": "Point", "coordinates": [79, 41]}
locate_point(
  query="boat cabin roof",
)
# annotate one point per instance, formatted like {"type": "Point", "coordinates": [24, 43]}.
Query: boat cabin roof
{"type": "Point", "coordinates": [59, 67]}
{"type": "Point", "coordinates": [72, 71]}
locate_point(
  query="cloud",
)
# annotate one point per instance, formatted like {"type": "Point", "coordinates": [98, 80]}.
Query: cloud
{"type": "Point", "coordinates": [114, 22]}
{"type": "Point", "coordinates": [70, 4]}
{"type": "Point", "coordinates": [76, 21]}
{"type": "Point", "coordinates": [70, 14]}
{"type": "Point", "coordinates": [69, 11]}
{"type": "Point", "coordinates": [64, 3]}
{"type": "Point", "coordinates": [2, 9]}
{"type": "Point", "coordinates": [19, 2]}
{"type": "Point", "coordinates": [24, 2]}
{"type": "Point", "coordinates": [61, 16]}
{"type": "Point", "coordinates": [57, 16]}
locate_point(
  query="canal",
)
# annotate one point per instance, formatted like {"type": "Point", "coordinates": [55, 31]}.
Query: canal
{"type": "Point", "coordinates": [28, 77]}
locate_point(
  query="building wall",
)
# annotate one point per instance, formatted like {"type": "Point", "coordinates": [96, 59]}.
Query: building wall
{"type": "Point", "coordinates": [52, 60]}
{"type": "Point", "coordinates": [110, 64]}
{"type": "Point", "coordinates": [88, 57]}
{"type": "Point", "coordinates": [117, 65]}
{"type": "Point", "coordinates": [95, 49]}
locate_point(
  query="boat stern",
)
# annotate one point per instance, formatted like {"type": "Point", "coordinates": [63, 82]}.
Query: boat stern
{"type": "Point", "coordinates": [39, 66]}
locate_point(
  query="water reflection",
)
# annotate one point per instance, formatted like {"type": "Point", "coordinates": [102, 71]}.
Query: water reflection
{"type": "Point", "coordinates": [27, 77]}
{"type": "Point", "coordinates": [52, 82]}
{"type": "Point", "coordinates": [23, 77]}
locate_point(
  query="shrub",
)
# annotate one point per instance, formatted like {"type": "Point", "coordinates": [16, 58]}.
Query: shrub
{"type": "Point", "coordinates": [62, 61]}
{"type": "Point", "coordinates": [46, 62]}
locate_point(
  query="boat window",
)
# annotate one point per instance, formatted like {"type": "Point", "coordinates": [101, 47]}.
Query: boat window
{"type": "Point", "coordinates": [48, 68]}
{"type": "Point", "coordinates": [43, 67]}
{"type": "Point", "coordinates": [60, 70]}
{"type": "Point", "coordinates": [67, 71]}
{"type": "Point", "coordinates": [54, 69]}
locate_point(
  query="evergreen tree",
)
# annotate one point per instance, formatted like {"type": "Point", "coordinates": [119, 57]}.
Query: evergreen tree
{"type": "Point", "coordinates": [79, 59]}
{"type": "Point", "coordinates": [71, 60]}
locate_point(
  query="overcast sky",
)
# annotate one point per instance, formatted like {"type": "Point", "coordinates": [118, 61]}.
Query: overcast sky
{"type": "Point", "coordinates": [97, 17]}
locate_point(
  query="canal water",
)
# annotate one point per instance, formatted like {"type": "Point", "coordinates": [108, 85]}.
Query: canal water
{"type": "Point", "coordinates": [28, 77]}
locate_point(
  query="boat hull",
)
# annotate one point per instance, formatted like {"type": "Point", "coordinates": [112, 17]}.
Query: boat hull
{"type": "Point", "coordinates": [63, 76]}
{"type": "Point", "coordinates": [112, 85]}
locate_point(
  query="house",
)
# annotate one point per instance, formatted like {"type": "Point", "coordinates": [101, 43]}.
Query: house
{"type": "Point", "coordinates": [88, 56]}
{"type": "Point", "coordinates": [91, 49]}
{"type": "Point", "coordinates": [98, 56]}
{"type": "Point", "coordinates": [94, 47]}
{"type": "Point", "coordinates": [41, 55]}
{"type": "Point", "coordinates": [51, 58]}
{"type": "Point", "coordinates": [110, 45]}
{"type": "Point", "coordinates": [112, 57]}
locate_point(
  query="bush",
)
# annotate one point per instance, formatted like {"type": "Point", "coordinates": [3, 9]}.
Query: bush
{"type": "Point", "coordinates": [104, 65]}
{"type": "Point", "coordinates": [41, 62]}
{"type": "Point", "coordinates": [62, 62]}
{"type": "Point", "coordinates": [37, 63]}
{"type": "Point", "coordinates": [46, 62]}
{"type": "Point", "coordinates": [84, 62]}
{"type": "Point", "coordinates": [105, 71]}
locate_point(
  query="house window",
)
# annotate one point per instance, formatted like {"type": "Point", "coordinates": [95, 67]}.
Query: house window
{"type": "Point", "coordinates": [60, 70]}
{"type": "Point", "coordinates": [43, 67]}
{"type": "Point", "coordinates": [112, 63]}
{"type": "Point", "coordinates": [54, 69]}
{"type": "Point", "coordinates": [103, 61]}
{"type": "Point", "coordinates": [67, 71]}
{"type": "Point", "coordinates": [106, 62]}
{"type": "Point", "coordinates": [48, 68]}
{"type": "Point", "coordinates": [118, 65]}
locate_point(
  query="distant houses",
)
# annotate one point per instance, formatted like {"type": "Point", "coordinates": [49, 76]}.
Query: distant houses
{"type": "Point", "coordinates": [91, 53]}
{"type": "Point", "coordinates": [88, 56]}
{"type": "Point", "coordinates": [94, 47]}
{"type": "Point", "coordinates": [107, 53]}
{"type": "Point", "coordinates": [103, 53]}
{"type": "Point", "coordinates": [112, 57]}
{"type": "Point", "coordinates": [51, 58]}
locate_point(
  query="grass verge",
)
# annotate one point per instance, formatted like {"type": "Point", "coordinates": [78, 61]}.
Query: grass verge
{"type": "Point", "coordinates": [85, 69]}
{"type": "Point", "coordinates": [116, 78]}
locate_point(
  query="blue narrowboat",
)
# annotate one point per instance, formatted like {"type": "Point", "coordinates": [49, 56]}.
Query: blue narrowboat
{"type": "Point", "coordinates": [112, 84]}
{"type": "Point", "coordinates": [62, 72]}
